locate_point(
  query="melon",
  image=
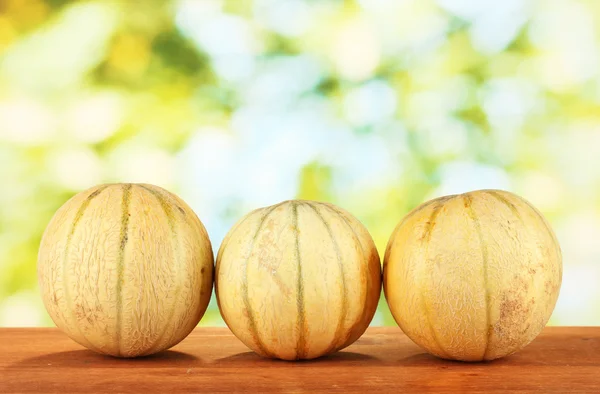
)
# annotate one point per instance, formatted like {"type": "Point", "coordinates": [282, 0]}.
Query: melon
{"type": "Point", "coordinates": [125, 269]}
{"type": "Point", "coordinates": [298, 280]}
{"type": "Point", "coordinates": [473, 277]}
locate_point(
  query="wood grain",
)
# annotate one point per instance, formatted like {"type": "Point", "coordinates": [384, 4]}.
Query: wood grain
{"type": "Point", "coordinates": [212, 360]}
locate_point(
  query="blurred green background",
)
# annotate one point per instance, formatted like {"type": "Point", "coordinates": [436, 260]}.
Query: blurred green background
{"type": "Point", "coordinates": [374, 105]}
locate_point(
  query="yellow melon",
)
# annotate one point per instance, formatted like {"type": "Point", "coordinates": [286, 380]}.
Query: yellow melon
{"type": "Point", "coordinates": [298, 280]}
{"type": "Point", "coordinates": [125, 269]}
{"type": "Point", "coordinates": [474, 276]}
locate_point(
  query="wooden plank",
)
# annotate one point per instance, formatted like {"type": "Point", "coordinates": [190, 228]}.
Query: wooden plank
{"type": "Point", "coordinates": [561, 360]}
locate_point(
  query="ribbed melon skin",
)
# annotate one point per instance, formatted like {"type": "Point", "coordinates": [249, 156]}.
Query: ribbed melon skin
{"type": "Point", "coordinates": [125, 269]}
{"type": "Point", "coordinates": [298, 280]}
{"type": "Point", "coordinates": [473, 277]}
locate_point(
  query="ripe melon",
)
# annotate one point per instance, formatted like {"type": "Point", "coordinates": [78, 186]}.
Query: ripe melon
{"type": "Point", "coordinates": [125, 269]}
{"type": "Point", "coordinates": [298, 280]}
{"type": "Point", "coordinates": [473, 277]}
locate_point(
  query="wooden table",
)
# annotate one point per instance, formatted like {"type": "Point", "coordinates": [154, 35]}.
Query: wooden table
{"type": "Point", "coordinates": [211, 360]}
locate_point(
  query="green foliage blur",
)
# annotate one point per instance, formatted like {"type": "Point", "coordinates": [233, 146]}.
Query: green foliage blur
{"type": "Point", "coordinates": [374, 105]}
